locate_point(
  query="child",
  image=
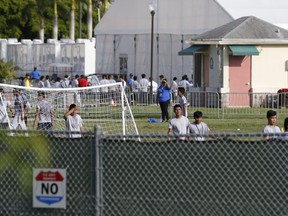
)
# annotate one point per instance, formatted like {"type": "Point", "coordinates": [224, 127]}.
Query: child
{"type": "Point", "coordinates": [178, 126]}
{"type": "Point", "coordinates": [182, 100]}
{"type": "Point", "coordinates": [271, 126]}
{"type": "Point", "coordinates": [74, 122]}
{"type": "Point", "coordinates": [174, 89]}
{"type": "Point", "coordinates": [284, 136]}
{"type": "Point", "coordinates": [198, 128]}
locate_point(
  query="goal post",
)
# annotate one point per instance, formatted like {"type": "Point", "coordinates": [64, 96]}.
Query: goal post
{"type": "Point", "coordinates": [103, 105]}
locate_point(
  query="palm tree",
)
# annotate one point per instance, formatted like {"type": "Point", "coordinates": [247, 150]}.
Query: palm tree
{"type": "Point", "coordinates": [105, 5]}
{"type": "Point", "coordinates": [72, 20]}
{"type": "Point", "coordinates": [55, 21]}
{"type": "Point", "coordinates": [89, 20]}
{"type": "Point", "coordinates": [41, 6]}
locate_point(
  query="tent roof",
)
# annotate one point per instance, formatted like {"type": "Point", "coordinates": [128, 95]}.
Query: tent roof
{"type": "Point", "coordinates": [246, 29]}
{"type": "Point", "coordinates": [171, 17]}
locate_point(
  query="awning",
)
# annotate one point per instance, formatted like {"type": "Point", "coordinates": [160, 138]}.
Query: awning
{"type": "Point", "coordinates": [243, 50]}
{"type": "Point", "coordinates": [192, 49]}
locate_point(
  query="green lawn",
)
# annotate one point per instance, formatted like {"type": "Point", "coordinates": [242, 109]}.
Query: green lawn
{"type": "Point", "coordinates": [246, 124]}
{"type": "Point", "coordinates": [226, 120]}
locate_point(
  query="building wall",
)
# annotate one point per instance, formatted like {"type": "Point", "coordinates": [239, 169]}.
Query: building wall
{"type": "Point", "coordinates": [137, 48]}
{"type": "Point", "coordinates": [268, 69]}
{"type": "Point", "coordinates": [219, 74]}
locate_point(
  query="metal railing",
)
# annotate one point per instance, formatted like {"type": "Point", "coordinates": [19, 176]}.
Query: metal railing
{"type": "Point", "coordinates": [216, 105]}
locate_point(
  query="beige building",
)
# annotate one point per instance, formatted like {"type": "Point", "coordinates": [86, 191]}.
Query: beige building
{"type": "Point", "coordinates": [247, 55]}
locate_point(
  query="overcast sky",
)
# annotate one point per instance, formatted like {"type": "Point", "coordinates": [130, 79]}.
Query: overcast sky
{"type": "Point", "coordinates": [273, 11]}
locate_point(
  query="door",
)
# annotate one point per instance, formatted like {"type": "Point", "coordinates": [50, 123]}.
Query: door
{"type": "Point", "coordinates": [123, 60]}
{"type": "Point", "coordinates": [239, 80]}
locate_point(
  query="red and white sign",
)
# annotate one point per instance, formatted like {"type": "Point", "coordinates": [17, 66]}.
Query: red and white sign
{"type": "Point", "coordinates": [49, 188]}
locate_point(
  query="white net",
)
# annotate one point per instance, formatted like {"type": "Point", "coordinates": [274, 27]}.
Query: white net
{"type": "Point", "coordinates": [103, 105]}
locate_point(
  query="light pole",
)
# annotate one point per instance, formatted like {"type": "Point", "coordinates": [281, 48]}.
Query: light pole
{"type": "Point", "coordinates": [152, 7]}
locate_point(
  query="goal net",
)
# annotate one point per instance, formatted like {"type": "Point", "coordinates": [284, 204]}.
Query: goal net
{"type": "Point", "coordinates": [103, 105]}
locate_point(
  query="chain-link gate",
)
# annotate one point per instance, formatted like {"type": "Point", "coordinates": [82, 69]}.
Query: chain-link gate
{"type": "Point", "coordinates": [231, 174]}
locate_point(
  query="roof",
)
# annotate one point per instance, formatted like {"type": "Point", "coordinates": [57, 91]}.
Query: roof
{"type": "Point", "coordinates": [274, 12]}
{"type": "Point", "coordinates": [247, 30]}
{"type": "Point", "coordinates": [181, 17]}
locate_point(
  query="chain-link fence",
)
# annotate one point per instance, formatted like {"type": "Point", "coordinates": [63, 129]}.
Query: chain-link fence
{"type": "Point", "coordinates": [231, 174]}
{"type": "Point", "coordinates": [225, 175]}
{"type": "Point", "coordinates": [22, 152]}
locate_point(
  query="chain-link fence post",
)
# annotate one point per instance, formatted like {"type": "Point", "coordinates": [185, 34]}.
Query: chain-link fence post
{"type": "Point", "coordinates": [99, 168]}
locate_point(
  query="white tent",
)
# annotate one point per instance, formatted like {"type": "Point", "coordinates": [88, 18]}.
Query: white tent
{"type": "Point", "coordinates": [123, 36]}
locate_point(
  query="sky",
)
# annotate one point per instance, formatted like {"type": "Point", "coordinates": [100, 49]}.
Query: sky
{"type": "Point", "coordinates": [273, 11]}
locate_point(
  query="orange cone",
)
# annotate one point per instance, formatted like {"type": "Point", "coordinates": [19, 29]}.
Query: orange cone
{"type": "Point", "coordinates": [113, 104]}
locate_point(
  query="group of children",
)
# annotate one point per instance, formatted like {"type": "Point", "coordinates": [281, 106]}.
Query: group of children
{"type": "Point", "coordinates": [179, 126]}
{"type": "Point", "coordinates": [44, 114]}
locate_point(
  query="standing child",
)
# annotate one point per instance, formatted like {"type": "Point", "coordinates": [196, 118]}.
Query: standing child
{"type": "Point", "coordinates": [4, 106]}
{"type": "Point", "coordinates": [271, 126]}
{"type": "Point", "coordinates": [27, 80]}
{"type": "Point", "coordinates": [44, 114]}
{"type": "Point", "coordinates": [178, 126]}
{"type": "Point", "coordinates": [19, 113]}
{"type": "Point", "coordinates": [74, 123]}
{"type": "Point", "coordinates": [182, 100]}
{"type": "Point", "coordinates": [284, 136]}
{"type": "Point", "coordinates": [174, 89]}
{"type": "Point", "coordinates": [198, 128]}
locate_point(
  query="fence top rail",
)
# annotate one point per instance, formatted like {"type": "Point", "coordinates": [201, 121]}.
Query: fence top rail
{"type": "Point", "coordinates": [213, 136]}
{"type": "Point", "coordinates": [240, 136]}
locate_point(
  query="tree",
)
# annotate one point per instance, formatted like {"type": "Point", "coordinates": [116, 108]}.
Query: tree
{"type": "Point", "coordinates": [41, 6]}
{"type": "Point", "coordinates": [72, 20]}
{"type": "Point", "coordinates": [7, 70]}
{"type": "Point", "coordinates": [28, 19]}
{"type": "Point", "coordinates": [55, 21]}
{"type": "Point", "coordinates": [89, 20]}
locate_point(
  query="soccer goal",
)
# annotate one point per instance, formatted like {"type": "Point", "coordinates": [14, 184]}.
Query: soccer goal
{"type": "Point", "coordinates": [103, 105]}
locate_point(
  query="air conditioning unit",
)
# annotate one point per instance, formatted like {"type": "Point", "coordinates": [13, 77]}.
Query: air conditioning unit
{"type": "Point", "coordinates": [26, 41]}
{"type": "Point", "coordinates": [12, 40]}
{"type": "Point", "coordinates": [37, 41]}
{"type": "Point", "coordinates": [52, 41]}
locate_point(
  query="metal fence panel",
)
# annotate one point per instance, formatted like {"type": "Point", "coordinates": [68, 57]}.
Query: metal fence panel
{"type": "Point", "coordinates": [19, 154]}
{"type": "Point", "coordinates": [207, 102]}
{"type": "Point", "coordinates": [216, 105]}
{"type": "Point", "coordinates": [237, 104]}
{"type": "Point", "coordinates": [228, 174]}
{"type": "Point", "coordinates": [222, 176]}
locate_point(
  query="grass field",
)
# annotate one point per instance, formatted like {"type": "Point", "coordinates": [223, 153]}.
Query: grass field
{"type": "Point", "coordinates": [228, 120]}
{"type": "Point", "coordinates": [246, 123]}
